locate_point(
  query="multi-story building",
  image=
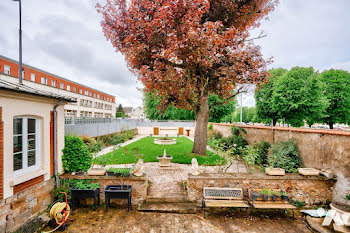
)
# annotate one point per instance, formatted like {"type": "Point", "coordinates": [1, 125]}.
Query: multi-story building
{"type": "Point", "coordinates": [90, 102]}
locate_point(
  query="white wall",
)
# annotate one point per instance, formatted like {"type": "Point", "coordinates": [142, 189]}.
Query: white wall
{"type": "Point", "coordinates": [16, 104]}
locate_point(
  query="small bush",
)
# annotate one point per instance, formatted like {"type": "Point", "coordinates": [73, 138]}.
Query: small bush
{"type": "Point", "coordinates": [214, 134]}
{"type": "Point", "coordinates": [210, 127]}
{"type": "Point", "coordinates": [117, 139]}
{"type": "Point", "coordinates": [285, 155]}
{"type": "Point", "coordinates": [76, 156]}
{"type": "Point", "coordinates": [256, 154]}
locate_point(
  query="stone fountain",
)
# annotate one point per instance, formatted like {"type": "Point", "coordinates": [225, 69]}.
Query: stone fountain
{"type": "Point", "coordinates": [164, 161]}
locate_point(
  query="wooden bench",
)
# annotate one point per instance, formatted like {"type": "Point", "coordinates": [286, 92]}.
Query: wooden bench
{"type": "Point", "coordinates": [261, 204]}
{"type": "Point", "coordinates": [223, 197]}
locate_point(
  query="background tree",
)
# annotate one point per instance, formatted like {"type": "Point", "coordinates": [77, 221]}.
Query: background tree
{"type": "Point", "coordinates": [186, 50]}
{"type": "Point", "coordinates": [264, 97]}
{"type": "Point", "coordinates": [219, 109]}
{"type": "Point", "coordinates": [120, 111]}
{"type": "Point", "coordinates": [298, 95]}
{"type": "Point", "coordinates": [248, 114]}
{"type": "Point", "coordinates": [337, 92]}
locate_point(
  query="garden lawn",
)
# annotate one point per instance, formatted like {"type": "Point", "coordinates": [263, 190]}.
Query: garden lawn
{"type": "Point", "coordinates": [148, 151]}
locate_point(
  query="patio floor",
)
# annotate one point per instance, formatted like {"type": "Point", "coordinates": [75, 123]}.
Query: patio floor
{"type": "Point", "coordinates": [119, 220]}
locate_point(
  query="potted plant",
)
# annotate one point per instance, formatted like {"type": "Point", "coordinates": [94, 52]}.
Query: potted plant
{"type": "Point", "coordinates": [123, 172]}
{"type": "Point", "coordinates": [284, 196]}
{"type": "Point", "coordinates": [266, 194]}
{"type": "Point", "coordinates": [276, 195]}
{"type": "Point", "coordinates": [81, 189]}
{"type": "Point", "coordinates": [255, 195]}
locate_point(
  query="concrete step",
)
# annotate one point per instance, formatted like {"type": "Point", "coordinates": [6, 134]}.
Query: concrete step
{"type": "Point", "coordinates": [176, 207]}
{"type": "Point", "coordinates": [166, 197]}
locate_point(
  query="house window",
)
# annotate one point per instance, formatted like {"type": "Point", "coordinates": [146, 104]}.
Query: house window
{"type": "Point", "coordinates": [43, 80]}
{"type": "Point", "coordinates": [26, 144]}
{"type": "Point", "coordinates": [53, 83]}
{"type": "Point", "coordinates": [81, 91]}
{"type": "Point", "coordinates": [74, 89]}
{"type": "Point", "coordinates": [68, 87]}
{"type": "Point", "coordinates": [32, 77]}
{"type": "Point", "coordinates": [62, 86]}
{"type": "Point", "coordinates": [7, 70]}
{"type": "Point", "coordinates": [86, 93]}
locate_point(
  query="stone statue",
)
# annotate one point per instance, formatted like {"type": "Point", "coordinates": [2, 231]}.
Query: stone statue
{"type": "Point", "coordinates": [138, 169]}
{"type": "Point", "coordinates": [195, 167]}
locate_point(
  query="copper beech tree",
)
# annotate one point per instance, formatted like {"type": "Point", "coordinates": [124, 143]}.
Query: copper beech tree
{"type": "Point", "coordinates": [185, 50]}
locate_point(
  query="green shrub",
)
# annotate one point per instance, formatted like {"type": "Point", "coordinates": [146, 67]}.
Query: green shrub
{"type": "Point", "coordinates": [95, 146]}
{"type": "Point", "coordinates": [117, 139]}
{"type": "Point", "coordinates": [298, 204]}
{"type": "Point", "coordinates": [210, 127]}
{"type": "Point", "coordinates": [285, 155]}
{"type": "Point", "coordinates": [256, 154]}
{"type": "Point", "coordinates": [76, 156]}
{"type": "Point", "coordinates": [214, 134]}
{"type": "Point", "coordinates": [347, 197]}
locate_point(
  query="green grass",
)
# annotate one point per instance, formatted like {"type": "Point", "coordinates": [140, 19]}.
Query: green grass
{"type": "Point", "coordinates": [148, 151]}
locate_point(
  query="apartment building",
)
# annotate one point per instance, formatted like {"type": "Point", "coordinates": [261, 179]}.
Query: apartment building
{"type": "Point", "coordinates": [90, 103]}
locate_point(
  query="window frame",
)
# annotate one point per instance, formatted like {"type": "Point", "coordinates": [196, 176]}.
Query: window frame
{"type": "Point", "coordinates": [68, 87]}
{"type": "Point", "coordinates": [9, 70]}
{"type": "Point", "coordinates": [25, 168]}
{"type": "Point", "coordinates": [32, 77]}
{"type": "Point", "coordinates": [45, 79]}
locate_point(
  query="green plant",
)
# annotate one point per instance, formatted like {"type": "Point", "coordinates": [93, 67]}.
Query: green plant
{"type": "Point", "coordinates": [117, 139]}
{"type": "Point", "coordinates": [120, 171]}
{"type": "Point", "coordinates": [284, 194]}
{"type": "Point", "coordinates": [256, 154]}
{"type": "Point", "coordinates": [84, 184]}
{"type": "Point", "coordinates": [298, 204]}
{"type": "Point", "coordinates": [210, 127]}
{"type": "Point", "coordinates": [285, 155]}
{"type": "Point", "coordinates": [277, 193]}
{"type": "Point", "coordinates": [76, 156]}
{"type": "Point", "coordinates": [347, 197]}
{"type": "Point", "coordinates": [266, 192]}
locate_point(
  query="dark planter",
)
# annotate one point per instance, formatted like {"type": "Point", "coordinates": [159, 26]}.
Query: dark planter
{"type": "Point", "coordinates": [265, 197]}
{"type": "Point", "coordinates": [284, 198]}
{"type": "Point", "coordinates": [275, 197]}
{"type": "Point", "coordinates": [255, 195]}
{"type": "Point", "coordinates": [118, 192]}
{"type": "Point", "coordinates": [78, 194]}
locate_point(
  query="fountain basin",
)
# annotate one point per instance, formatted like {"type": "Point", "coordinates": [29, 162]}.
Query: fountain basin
{"type": "Point", "coordinates": [165, 141]}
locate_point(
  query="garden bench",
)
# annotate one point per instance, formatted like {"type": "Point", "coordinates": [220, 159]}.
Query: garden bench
{"type": "Point", "coordinates": [261, 204]}
{"type": "Point", "coordinates": [223, 197]}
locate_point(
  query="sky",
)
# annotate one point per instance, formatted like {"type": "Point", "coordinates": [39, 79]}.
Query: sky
{"type": "Point", "coordinates": [64, 37]}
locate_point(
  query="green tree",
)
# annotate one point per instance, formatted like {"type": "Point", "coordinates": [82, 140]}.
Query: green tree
{"type": "Point", "coordinates": [120, 111]}
{"type": "Point", "coordinates": [218, 110]}
{"type": "Point", "coordinates": [337, 92]}
{"type": "Point", "coordinates": [264, 98]}
{"type": "Point", "coordinates": [296, 95]}
{"type": "Point", "coordinates": [247, 114]}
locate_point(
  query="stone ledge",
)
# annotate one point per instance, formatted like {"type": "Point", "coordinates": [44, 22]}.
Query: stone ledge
{"type": "Point", "coordinates": [83, 177]}
{"type": "Point", "coordinates": [255, 176]}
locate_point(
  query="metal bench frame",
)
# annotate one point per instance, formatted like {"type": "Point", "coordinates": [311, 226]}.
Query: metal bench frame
{"type": "Point", "coordinates": [223, 197]}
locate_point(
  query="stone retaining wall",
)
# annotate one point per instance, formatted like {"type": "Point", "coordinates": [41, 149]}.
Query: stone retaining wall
{"type": "Point", "coordinates": [310, 190]}
{"type": "Point", "coordinates": [139, 184]}
{"type": "Point", "coordinates": [22, 207]}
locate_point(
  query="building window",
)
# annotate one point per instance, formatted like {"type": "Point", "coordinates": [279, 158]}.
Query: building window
{"type": "Point", "coordinates": [7, 70]}
{"type": "Point", "coordinates": [43, 80]}
{"type": "Point", "coordinates": [81, 91]}
{"type": "Point", "coordinates": [68, 87]}
{"type": "Point", "coordinates": [32, 77]}
{"type": "Point", "coordinates": [74, 89]}
{"type": "Point", "coordinates": [94, 95]}
{"type": "Point", "coordinates": [26, 144]}
{"type": "Point", "coordinates": [53, 83]}
{"type": "Point", "coordinates": [62, 86]}
{"type": "Point", "coordinates": [86, 93]}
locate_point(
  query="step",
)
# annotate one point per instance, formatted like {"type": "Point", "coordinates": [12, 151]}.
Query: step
{"type": "Point", "coordinates": [176, 207]}
{"type": "Point", "coordinates": [166, 197]}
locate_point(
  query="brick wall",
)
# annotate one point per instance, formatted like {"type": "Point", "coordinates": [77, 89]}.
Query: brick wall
{"type": "Point", "coordinates": [22, 207]}
{"type": "Point", "coordinates": [29, 183]}
{"type": "Point", "coordinates": [1, 156]}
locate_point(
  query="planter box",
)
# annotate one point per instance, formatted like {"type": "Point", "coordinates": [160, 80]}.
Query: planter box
{"type": "Point", "coordinates": [96, 172]}
{"type": "Point", "coordinates": [308, 171]}
{"type": "Point", "coordinates": [116, 174]}
{"type": "Point", "coordinates": [78, 194]}
{"type": "Point", "coordinates": [118, 192]}
{"type": "Point", "coordinates": [275, 171]}
{"type": "Point", "coordinates": [164, 161]}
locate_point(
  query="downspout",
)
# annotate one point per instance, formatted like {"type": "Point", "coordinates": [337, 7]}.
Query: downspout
{"type": "Point", "coordinates": [55, 141]}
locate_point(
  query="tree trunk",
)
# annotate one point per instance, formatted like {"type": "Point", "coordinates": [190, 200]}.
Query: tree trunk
{"type": "Point", "coordinates": [274, 122]}
{"type": "Point", "coordinates": [331, 125]}
{"type": "Point", "coordinates": [200, 135]}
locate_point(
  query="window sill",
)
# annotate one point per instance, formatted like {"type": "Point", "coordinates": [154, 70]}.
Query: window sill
{"type": "Point", "coordinates": [27, 176]}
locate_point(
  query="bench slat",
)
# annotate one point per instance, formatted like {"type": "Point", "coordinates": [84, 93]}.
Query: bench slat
{"type": "Point", "coordinates": [226, 203]}
{"type": "Point", "coordinates": [272, 205]}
